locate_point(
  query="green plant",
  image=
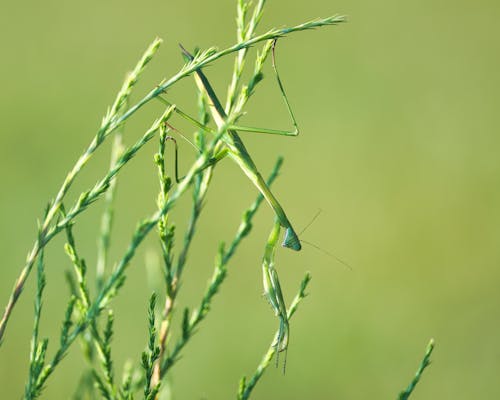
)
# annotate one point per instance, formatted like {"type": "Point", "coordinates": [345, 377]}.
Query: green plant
{"type": "Point", "coordinates": [405, 394]}
{"type": "Point", "coordinates": [85, 311]}
{"type": "Point", "coordinates": [89, 318]}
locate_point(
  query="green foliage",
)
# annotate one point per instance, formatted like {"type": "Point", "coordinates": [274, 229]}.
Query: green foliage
{"type": "Point", "coordinates": [405, 394]}
{"type": "Point", "coordinates": [89, 317]}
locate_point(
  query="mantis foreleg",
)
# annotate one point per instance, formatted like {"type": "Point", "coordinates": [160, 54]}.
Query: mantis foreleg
{"type": "Point", "coordinates": [272, 289]}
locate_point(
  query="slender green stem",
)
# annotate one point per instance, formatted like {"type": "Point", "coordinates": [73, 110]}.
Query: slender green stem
{"type": "Point", "coordinates": [107, 216]}
{"type": "Point", "coordinates": [174, 275]}
{"type": "Point", "coordinates": [426, 361]}
{"type": "Point", "coordinates": [37, 353]}
{"type": "Point", "coordinates": [244, 32]}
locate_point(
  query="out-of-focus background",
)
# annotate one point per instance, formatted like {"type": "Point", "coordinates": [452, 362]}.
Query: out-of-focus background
{"type": "Point", "coordinates": [399, 148]}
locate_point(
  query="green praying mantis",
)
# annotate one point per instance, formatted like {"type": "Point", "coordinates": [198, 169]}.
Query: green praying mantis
{"type": "Point", "coordinates": [234, 147]}
{"type": "Point", "coordinates": [238, 152]}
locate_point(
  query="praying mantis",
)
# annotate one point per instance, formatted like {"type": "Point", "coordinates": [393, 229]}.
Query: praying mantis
{"type": "Point", "coordinates": [237, 151]}
{"type": "Point", "coordinates": [234, 148]}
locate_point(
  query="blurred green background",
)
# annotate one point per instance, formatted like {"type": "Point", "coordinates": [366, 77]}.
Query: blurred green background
{"type": "Point", "coordinates": [399, 148]}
